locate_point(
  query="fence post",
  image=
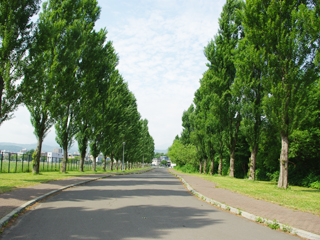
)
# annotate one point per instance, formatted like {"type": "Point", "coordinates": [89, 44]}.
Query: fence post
{"type": "Point", "coordinates": [22, 161]}
{"type": "Point", "coordinates": [28, 163]}
{"type": "Point", "coordinates": [1, 162]}
{"type": "Point", "coordinates": [9, 163]}
{"type": "Point", "coordinates": [15, 170]}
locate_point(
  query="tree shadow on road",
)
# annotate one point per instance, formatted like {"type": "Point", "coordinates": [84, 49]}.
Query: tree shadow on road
{"type": "Point", "coordinates": [143, 221]}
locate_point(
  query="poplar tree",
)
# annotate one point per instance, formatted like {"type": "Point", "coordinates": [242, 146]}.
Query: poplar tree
{"type": "Point", "coordinates": [220, 53]}
{"type": "Point", "coordinates": [290, 55]}
{"type": "Point", "coordinates": [37, 88]}
{"type": "Point", "coordinates": [70, 21]}
{"type": "Point", "coordinates": [15, 29]}
{"type": "Point", "coordinates": [98, 62]}
{"type": "Point", "coordinates": [199, 135]}
{"type": "Point", "coordinates": [250, 64]}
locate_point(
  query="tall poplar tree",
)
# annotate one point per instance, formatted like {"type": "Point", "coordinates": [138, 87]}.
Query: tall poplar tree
{"type": "Point", "coordinates": [37, 89]}
{"type": "Point", "coordinates": [250, 64]}
{"type": "Point", "coordinates": [98, 61]}
{"type": "Point", "coordinates": [220, 54]}
{"type": "Point", "coordinates": [70, 21]}
{"type": "Point", "coordinates": [290, 55]}
{"type": "Point", "coordinates": [15, 28]}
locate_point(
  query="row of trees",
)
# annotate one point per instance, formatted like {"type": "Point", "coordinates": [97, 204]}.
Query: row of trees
{"type": "Point", "coordinates": [261, 92]}
{"type": "Point", "coordinates": [65, 72]}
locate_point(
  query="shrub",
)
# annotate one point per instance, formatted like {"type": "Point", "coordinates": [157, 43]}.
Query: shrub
{"type": "Point", "coordinates": [315, 185]}
{"type": "Point", "coordinates": [273, 177]}
{"type": "Point", "coordinates": [188, 168]}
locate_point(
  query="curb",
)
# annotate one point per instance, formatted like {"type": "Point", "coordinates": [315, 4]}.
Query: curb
{"type": "Point", "coordinates": [9, 216]}
{"type": "Point", "coordinates": [252, 217]}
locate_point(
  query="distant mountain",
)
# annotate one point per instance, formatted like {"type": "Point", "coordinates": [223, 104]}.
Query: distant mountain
{"type": "Point", "coordinates": [16, 147]}
{"type": "Point", "coordinates": [161, 151]}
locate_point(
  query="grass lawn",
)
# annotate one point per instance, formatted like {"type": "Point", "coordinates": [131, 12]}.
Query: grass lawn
{"type": "Point", "coordinates": [9, 181]}
{"type": "Point", "coordinates": [301, 198]}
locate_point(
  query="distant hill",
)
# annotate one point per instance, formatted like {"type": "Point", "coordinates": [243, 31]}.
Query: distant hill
{"type": "Point", "coordinates": [161, 151]}
{"type": "Point", "coordinates": [16, 147]}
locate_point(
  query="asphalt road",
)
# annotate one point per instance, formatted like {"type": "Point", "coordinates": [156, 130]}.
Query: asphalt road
{"type": "Point", "coordinates": [152, 205]}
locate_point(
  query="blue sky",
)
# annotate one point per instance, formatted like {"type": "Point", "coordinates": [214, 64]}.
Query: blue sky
{"type": "Point", "coordinates": [160, 45]}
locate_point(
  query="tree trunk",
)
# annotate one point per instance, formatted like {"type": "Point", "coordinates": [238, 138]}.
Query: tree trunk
{"type": "Point", "coordinates": [200, 167]}
{"type": "Point", "coordinates": [94, 163]}
{"type": "Point", "coordinates": [111, 163]}
{"type": "Point", "coordinates": [253, 162]}
{"type": "Point", "coordinates": [117, 165]}
{"type": "Point", "coordinates": [283, 177]}
{"type": "Point", "coordinates": [220, 166]}
{"type": "Point", "coordinates": [83, 151]}
{"type": "Point", "coordinates": [1, 93]}
{"type": "Point", "coordinates": [231, 172]}
{"type": "Point", "coordinates": [212, 166]}
{"type": "Point", "coordinates": [205, 165]}
{"type": "Point", "coordinates": [36, 161]}
{"type": "Point", "coordinates": [104, 162]}
{"type": "Point", "coordinates": [82, 157]}
{"type": "Point", "coordinates": [65, 159]}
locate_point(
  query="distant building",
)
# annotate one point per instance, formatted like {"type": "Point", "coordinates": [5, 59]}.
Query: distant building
{"type": "Point", "coordinates": [57, 150]}
{"type": "Point", "coordinates": [76, 154]}
{"type": "Point", "coordinates": [99, 158]}
{"type": "Point", "coordinates": [54, 156]}
{"type": "Point", "coordinates": [23, 151]}
{"type": "Point", "coordinates": [156, 162]}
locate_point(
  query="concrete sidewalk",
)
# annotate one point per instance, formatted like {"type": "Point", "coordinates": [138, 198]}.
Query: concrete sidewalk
{"type": "Point", "coordinates": [9, 201]}
{"type": "Point", "coordinates": [294, 218]}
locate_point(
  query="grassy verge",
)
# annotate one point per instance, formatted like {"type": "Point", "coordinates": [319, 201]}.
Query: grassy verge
{"type": "Point", "coordinates": [10, 181]}
{"type": "Point", "coordinates": [301, 198]}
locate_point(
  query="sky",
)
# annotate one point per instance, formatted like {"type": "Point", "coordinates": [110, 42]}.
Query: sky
{"type": "Point", "coordinates": [160, 45]}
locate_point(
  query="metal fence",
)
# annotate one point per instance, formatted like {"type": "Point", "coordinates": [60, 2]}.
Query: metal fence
{"type": "Point", "coordinates": [14, 163]}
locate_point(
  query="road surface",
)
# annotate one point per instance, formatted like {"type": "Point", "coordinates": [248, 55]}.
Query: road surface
{"type": "Point", "coordinates": [152, 205]}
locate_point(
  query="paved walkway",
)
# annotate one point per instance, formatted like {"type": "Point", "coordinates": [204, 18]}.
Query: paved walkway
{"type": "Point", "coordinates": [294, 218]}
{"type": "Point", "coordinates": [13, 199]}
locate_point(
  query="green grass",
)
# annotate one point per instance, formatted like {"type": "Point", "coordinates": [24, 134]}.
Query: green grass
{"type": "Point", "coordinates": [301, 198]}
{"type": "Point", "coordinates": [10, 181]}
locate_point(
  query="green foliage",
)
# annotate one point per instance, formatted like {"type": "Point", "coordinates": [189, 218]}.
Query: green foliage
{"type": "Point", "coordinates": [164, 162]}
{"type": "Point", "coordinates": [273, 177]}
{"type": "Point", "coordinates": [315, 185]}
{"type": "Point", "coordinates": [187, 168]}
{"type": "Point", "coordinates": [274, 225]}
{"type": "Point", "coordinates": [286, 228]}
{"type": "Point", "coordinates": [259, 220]}
{"type": "Point", "coordinates": [30, 152]}
{"type": "Point", "coordinates": [187, 126]}
{"type": "Point", "coordinates": [158, 155]}
{"type": "Point", "coordinates": [183, 154]}
{"type": "Point", "coordinates": [15, 28]}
